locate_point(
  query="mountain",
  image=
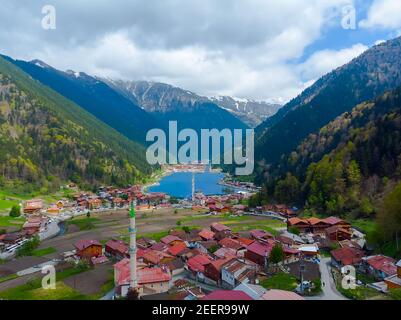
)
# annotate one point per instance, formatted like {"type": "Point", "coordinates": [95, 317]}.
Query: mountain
{"type": "Point", "coordinates": [364, 78]}
{"type": "Point", "coordinates": [168, 103]}
{"type": "Point", "coordinates": [351, 162]}
{"type": "Point", "coordinates": [249, 111]}
{"type": "Point", "coordinates": [95, 97]}
{"type": "Point", "coordinates": [47, 139]}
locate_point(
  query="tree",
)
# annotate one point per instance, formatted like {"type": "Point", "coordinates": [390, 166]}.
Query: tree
{"type": "Point", "coordinates": [288, 190]}
{"type": "Point", "coordinates": [294, 230]}
{"type": "Point", "coordinates": [277, 254]}
{"type": "Point", "coordinates": [15, 211]}
{"type": "Point", "coordinates": [389, 216]}
{"type": "Point", "coordinates": [88, 214]}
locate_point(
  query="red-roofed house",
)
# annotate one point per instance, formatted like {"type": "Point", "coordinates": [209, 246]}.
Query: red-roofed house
{"type": "Point", "coordinates": [117, 249]}
{"type": "Point", "coordinates": [245, 241]}
{"type": "Point", "coordinates": [218, 227]}
{"type": "Point", "coordinates": [171, 240]}
{"type": "Point", "coordinates": [394, 281]}
{"type": "Point", "coordinates": [227, 295]}
{"type": "Point", "coordinates": [334, 221]}
{"type": "Point", "coordinates": [150, 280]}
{"type": "Point", "coordinates": [261, 234]}
{"type": "Point", "coordinates": [259, 252]}
{"type": "Point", "coordinates": [379, 266]}
{"type": "Point", "coordinates": [337, 233]}
{"type": "Point", "coordinates": [154, 257]}
{"type": "Point", "coordinates": [88, 248]}
{"type": "Point", "coordinates": [232, 244]}
{"type": "Point", "coordinates": [197, 264]}
{"type": "Point", "coordinates": [206, 235]}
{"type": "Point", "coordinates": [300, 224]}
{"type": "Point", "coordinates": [220, 231]}
{"type": "Point", "coordinates": [213, 269]}
{"type": "Point", "coordinates": [317, 226]}
{"type": "Point", "coordinates": [176, 249]}
{"type": "Point", "coordinates": [346, 256]}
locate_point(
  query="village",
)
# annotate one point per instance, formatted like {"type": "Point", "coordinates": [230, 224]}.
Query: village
{"type": "Point", "coordinates": [206, 248]}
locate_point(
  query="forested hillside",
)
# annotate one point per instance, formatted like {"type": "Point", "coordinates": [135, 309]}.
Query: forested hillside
{"type": "Point", "coordinates": [46, 140]}
{"type": "Point", "coordinates": [350, 164]}
{"type": "Point", "coordinates": [364, 78]}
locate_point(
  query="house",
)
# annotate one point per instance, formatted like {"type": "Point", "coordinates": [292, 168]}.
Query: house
{"type": "Point", "coordinates": [245, 241]}
{"type": "Point", "coordinates": [236, 271]}
{"type": "Point", "coordinates": [310, 270]}
{"type": "Point", "coordinates": [259, 252]}
{"type": "Point", "coordinates": [117, 249]}
{"type": "Point", "coordinates": [171, 240]}
{"type": "Point", "coordinates": [176, 249]}
{"type": "Point", "coordinates": [224, 252]}
{"type": "Point", "coordinates": [317, 226]}
{"type": "Point", "coordinates": [227, 295]}
{"type": "Point", "coordinates": [33, 224]}
{"type": "Point", "coordinates": [337, 233]}
{"type": "Point", "coordinates": [300, 224]}
{"type": "Point", "coordinates": [308, 250]}
{"type": "Point", "coordinates": [379, 266]}
{"type": "Point", "coordinates": [253, 290]}
{"type": "Point", "coordinates": [220, 231]}
{"type": "Point", "coordinates": [144, 243]}
{"type": "Point", "coordinates": [150, 280]}
{"type": "Point", "coordinates": [213, 268]}
{"type": "Point", "coordinates": [197, 265]}
{"type": "Point", "coordinates": [176, 266]}
{"type": "Point", "coordinates": [233, 244]}
{"type": "Point", "coordinates": [33, 206]}
{"type": "Point", "coordinates": [154, 257]}
{"type": "Point", "coordinates": [346, 256]}
{"type": "Point", "coordinates": [53, 210]}
{"type": "Point", "coordinates": [290, 255]}
{"type": "Point", "coordinates": [334, 221]}
{"type": "Point", "coordinates": [206, 235]}
{"type": "Point", "coordinates": [261, 234]}
{"type": "Point", "coordinates": [158, 246]}
{"type": "Point", "coordinates": [12, 238]}
{"type": "Point", "coordinates": [275, 294]}
{"type": "Point", "coordinates": [394, 281]}
{"type": "Point", "coordinates": [206, 246]}
{"type": "Point", "coordinates": [86, 249]}
{"type": "Point", "coordinates": [94, 203]}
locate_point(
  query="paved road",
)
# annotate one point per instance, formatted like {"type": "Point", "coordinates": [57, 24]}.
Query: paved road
{"type": "Point", "coordinates": [329, 289]}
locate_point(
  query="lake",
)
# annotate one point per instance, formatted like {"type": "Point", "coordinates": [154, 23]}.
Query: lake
{"type": "Point", "coordinates": [179, 184]}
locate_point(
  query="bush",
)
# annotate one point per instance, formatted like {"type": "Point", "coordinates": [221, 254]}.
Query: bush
{"type": "Point", "coordinates": [179, 223]}
{"type": "Point", "coordinates": [28, 247]}
{"type": "Point", "coordinates": [15, 211]}
{"type": "Point", "coordinates": [294, 230]}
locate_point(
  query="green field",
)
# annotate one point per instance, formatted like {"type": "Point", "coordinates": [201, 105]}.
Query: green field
{"type": "Point", "coordinates": [281, 281]}
{"type": "Point", "coordinates": [84, 223]}
{"type": "Point", "coordinates": [6, 221]}
{"type": "Point", "coordinates": [43, 252]}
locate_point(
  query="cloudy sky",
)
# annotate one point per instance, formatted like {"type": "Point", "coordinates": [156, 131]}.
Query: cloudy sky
{"type": "Point", "coordinates": [259, 49]}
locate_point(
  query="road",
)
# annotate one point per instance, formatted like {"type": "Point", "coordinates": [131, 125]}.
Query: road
{"type": "Point", "coordinates": [329, 289]}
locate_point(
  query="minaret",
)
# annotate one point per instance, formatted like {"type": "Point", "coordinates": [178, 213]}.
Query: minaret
{"type": "Point", "coordinates": [132, 247]}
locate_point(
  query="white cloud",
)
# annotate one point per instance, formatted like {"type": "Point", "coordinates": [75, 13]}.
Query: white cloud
{"type": "Point", "coordinates": [241, 48]}
{"type": "Point", "coordinates": [324, 61]}
{"type": "Point", "coordinates": [383, 14]}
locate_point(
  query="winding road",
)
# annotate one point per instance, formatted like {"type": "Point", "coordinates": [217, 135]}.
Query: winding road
{"type": "Point", "coordinates": [329, 289]}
